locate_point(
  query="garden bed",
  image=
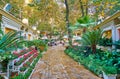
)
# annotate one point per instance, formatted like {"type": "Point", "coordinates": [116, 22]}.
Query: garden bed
{"type": "Point", "coordinates": [102, 61]}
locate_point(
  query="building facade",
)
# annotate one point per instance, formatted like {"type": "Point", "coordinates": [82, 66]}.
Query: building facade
{"type": "Point", "coordinates": [10, 23]}
{"type": "Point", "coordinates": [111, 27]}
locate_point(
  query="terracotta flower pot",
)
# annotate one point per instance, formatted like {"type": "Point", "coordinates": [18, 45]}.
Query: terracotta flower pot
{"type": "Point", "coordinates": [42, 48]}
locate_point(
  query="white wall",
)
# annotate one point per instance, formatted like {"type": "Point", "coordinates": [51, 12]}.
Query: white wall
{"type": "Point", "coordinates": [114, 28]}
{"type": "Point", "coordinates": [6, 22]}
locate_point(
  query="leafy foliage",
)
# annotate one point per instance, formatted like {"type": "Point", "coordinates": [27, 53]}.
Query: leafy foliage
{"type": "Point", "coordinates": [91, 38]}
{"type": "Point", "coordinates": [105, 41]}
{"type": "Point", "coordinates": [101, 61]}
{"type": "Point", "coordinates": [7, 44]}
{"type": "Point", "coordinates": [8, 41]}
{"type": "Point", "coordinates": [25, 43]}
{"type": "Point", "coordinates": [117, 44]}
{"type": "Point", "coordinates": [85, 21]}
{"type": "Point", "coordinates": [115, 7]}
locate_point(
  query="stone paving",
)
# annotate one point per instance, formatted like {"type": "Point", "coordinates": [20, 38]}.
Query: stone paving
{"type": "Point", "coordinates": [55, 64]}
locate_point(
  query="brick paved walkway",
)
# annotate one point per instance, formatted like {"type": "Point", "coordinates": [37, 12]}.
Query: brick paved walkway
{"type": "Point", "coordinates": [55, 64]}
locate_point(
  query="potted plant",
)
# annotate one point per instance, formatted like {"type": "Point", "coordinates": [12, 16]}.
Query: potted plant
{"type": "Point", "coordinates": [40, 44]}
{"type": "Point", "coordinates": [14, 74]}
{"type": "Point", "coordinates": [19, 62]}
{"type": "Point", "coordinates": [31, 59]}
{"type": "Point", "coordinates": [109, 72]}
{"type": "Point", "coordinates": [23, 69]}
{"type": "Point", "coordinates": [28, 63]}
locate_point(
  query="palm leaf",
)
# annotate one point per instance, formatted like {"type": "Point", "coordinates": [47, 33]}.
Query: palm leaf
{"type": "Point", "coordinates": [8, 40]}
{"type": "Point", "coordinates": [91, 37]}
{"type": "Point", "coordinates": [85, 21]}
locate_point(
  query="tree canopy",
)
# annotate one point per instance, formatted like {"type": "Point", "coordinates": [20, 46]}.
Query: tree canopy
{"type": "Point", "coordinates": [47, 14]}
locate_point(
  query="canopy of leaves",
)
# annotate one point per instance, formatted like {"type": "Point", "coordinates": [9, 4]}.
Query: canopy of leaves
{"type": "Point", "coordinates": [51, 13]}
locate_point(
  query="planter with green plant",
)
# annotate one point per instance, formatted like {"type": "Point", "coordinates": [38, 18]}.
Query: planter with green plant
{"type": "Point", "coordinates": [109, 72]}
{"type": "Point", "coordinates": [19, 62]}
{"type": "Point", "coordinates": [30, 69]}
{"type": "Point", "coordinates": [40, 44]}
{"type": "Point", "coordinates": [22, 69]}
{"type": "Point", "coordinates": [28, 63]}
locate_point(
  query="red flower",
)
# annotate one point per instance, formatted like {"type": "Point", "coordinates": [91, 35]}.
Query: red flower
{"type": "Point", "coordinates": [30, 52]}
{"type": "Point", "coordinates": [35, 55]}
{"type": "Point", "coordinates": [15, 52]}
{"type": "Point", "coordinates": [25, 65]}
{"type": "Point", "coordinates": [16, 74]}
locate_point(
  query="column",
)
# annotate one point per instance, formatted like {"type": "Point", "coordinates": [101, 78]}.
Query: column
{"type": "Point", "coordinates": [117, 34]}
{"type": "Point", "coordinates": [113, 35]}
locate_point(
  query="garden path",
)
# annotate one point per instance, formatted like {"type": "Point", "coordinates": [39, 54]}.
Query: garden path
{"type": "Point", "coordinates": [55, 64]}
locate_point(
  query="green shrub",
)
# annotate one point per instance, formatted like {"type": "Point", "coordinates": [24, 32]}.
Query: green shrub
{"type": "Point", "coordinates": [105, 41]}
{"type": "Point", "coordinates": [109, 70]}
{"type": "Point", "coordinates": [106, 61]}
{"type": "Point", "coordinates": [76, 58]}
{"type": "Point", "coordinates": [117, 44]}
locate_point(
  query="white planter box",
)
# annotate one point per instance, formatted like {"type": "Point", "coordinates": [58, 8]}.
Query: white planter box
{"type": "Point", "coordinates": [109, 76]}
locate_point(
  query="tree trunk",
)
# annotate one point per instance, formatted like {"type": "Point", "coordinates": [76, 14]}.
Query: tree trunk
{"type": "Point", "coordinates": [67, 23]}
{"type": "Point", "coordinates": [84, 29]}
{"type": "Point", "coordinates": [81, 6]}
{"type": "Point", "coordinates": [86, 8]}
{"type": "Point", "coordinates": [93, 47]}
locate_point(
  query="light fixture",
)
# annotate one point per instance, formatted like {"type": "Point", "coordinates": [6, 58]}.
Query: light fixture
{"type": "Point", "coordinates": [38, 31]}
{"type": "Point", "coordinates": [34, 27]}
{"type": "Point", "coordinates": [25, 21]}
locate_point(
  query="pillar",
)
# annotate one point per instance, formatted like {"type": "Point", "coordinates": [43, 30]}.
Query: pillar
{"type": "Point", "coordinates": [113, 35]}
